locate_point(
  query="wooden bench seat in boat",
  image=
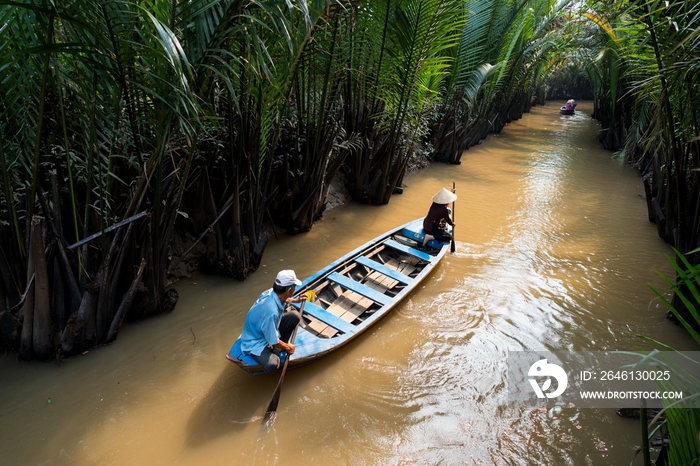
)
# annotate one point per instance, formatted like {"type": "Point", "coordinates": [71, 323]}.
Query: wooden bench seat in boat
{"type": "Point", "coordinates": [384, 270]}
{"type": "Point", "coordinates": [328, 318]}
{"type": "Point", "coordinates": [359, 288]}
{"type": "Point", "coordinates": [407, 249]}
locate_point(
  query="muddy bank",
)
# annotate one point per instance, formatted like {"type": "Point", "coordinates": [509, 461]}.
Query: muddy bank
{"type": "Point", "coordinates": [187, 252]}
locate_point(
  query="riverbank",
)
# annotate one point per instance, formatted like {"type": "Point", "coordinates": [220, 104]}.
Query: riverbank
{"type": "Point", "coordinates": [186, 251]}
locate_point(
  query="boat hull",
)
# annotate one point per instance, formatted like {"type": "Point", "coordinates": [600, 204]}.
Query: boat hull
{"type": "Point", "coordinates": [355, 292]}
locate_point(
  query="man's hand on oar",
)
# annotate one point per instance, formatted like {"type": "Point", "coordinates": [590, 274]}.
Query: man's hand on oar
{"type": "Point", "coordinates": [309, 295]}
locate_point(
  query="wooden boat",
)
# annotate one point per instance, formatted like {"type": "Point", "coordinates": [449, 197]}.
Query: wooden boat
{"type": "Point", "coordinates": [355, 291]}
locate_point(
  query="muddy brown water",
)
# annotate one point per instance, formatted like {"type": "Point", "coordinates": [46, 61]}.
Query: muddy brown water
{"type": "Point", "coordinates": [554, 252]}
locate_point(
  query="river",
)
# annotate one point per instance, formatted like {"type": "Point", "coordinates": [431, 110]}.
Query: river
{"type": "Point", "coordinates": [554, 251]}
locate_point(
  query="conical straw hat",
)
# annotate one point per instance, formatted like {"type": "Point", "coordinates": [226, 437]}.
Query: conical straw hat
{"type": "Point", "coordinates": [444, 197]}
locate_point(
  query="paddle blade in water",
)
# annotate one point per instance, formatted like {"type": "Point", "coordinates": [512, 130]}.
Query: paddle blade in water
{"type": "Point", "coordinates": [269, 418]}
{"type": "Point", "coordinates": [271, 412]}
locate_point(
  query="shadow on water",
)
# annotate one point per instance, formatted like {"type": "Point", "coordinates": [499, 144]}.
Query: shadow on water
{"type": "Point", "coordinates": [235, 401]}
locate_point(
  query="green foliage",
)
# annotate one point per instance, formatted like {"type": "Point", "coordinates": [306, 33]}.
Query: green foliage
{"type": "Point", "coordinates": [682, 423]}
{"type": "Point", "coordinates": [497, 69]}
{"type": "Point", "coordinates": [643, 60]}
{"type": "Point", "coordinates": [98, 121]}
{"type": "Point", "coordinates": [419, 36]}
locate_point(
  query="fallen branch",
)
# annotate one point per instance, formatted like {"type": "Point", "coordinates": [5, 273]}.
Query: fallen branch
{"type": "Point", "coordinates": [108, 229]}
{"type": "Point", "coordinates": [228, 204]}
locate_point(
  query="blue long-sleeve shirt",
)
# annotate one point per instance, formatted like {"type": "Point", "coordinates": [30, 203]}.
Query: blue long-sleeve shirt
{"type": "Point", "coordinates": [261, 327]}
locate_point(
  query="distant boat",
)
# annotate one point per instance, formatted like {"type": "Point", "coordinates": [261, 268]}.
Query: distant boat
{"type": "Point", "coordinates": [355, 291]}
{"type": "Point", "coordinates": [569, 108]}
{"type": "Point", "coordinates": [564, 111]}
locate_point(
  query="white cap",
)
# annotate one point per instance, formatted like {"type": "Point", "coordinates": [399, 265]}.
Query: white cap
{"type": "Point", "coordinates": [287, 278]}
{"type": "Point", "coordinates": [444, 197]}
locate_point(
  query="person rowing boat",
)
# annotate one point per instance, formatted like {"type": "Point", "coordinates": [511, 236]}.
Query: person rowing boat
{"type": "Point", "coordinates": [268, 326]}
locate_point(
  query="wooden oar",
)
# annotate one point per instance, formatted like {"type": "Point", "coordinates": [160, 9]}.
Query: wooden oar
{"type": "Point", "coordinates": [452, 246]}
{"type": "Point", "coordinates": [271, 413]}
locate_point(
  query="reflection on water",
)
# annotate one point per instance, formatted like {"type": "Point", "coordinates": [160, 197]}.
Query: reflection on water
{"type": "Point", "coordinates": [554, 252]}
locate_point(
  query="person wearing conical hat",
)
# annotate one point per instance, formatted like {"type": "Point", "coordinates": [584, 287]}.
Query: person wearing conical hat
{"type": "Point", "coordinates": [438, 216]}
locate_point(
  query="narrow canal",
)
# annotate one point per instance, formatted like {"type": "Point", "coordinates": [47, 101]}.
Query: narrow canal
{"type": "Point", "coordinates": [554, 252]}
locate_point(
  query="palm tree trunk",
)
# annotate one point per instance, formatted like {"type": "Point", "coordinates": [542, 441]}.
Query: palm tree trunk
{"type": "Point", "coordinates": [27, 314]}
{"type": "Point", "coordinates": [58, 296]}
{"type": "Point", "coordinates": [43, 325]}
